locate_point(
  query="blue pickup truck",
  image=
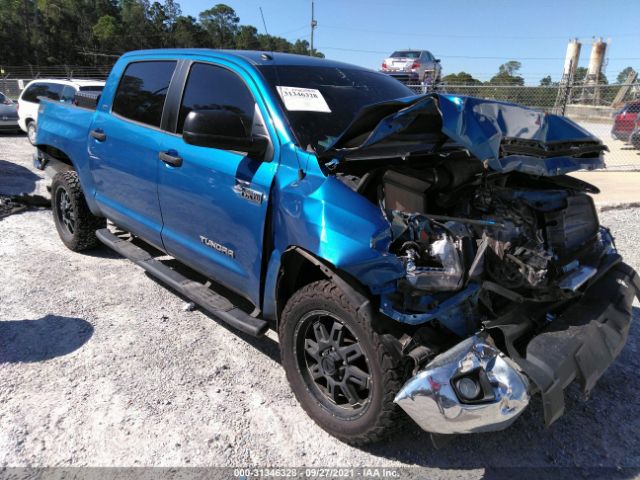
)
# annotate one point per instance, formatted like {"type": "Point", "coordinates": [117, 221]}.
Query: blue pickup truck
{"type": "Point", "coordinates": [426, 254]}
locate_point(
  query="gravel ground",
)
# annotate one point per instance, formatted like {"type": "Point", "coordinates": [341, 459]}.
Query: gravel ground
{"type": "Point", "coordinates": [100, 365]}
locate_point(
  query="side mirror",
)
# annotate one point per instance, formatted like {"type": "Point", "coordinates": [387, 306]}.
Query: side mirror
{"type": "Point", "coordinates": [437, 60]}
{"type": "Point", "coordinates": [221, 129]}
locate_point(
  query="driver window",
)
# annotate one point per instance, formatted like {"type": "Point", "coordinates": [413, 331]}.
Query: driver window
{"type": "Point", "coordinates": [210, 87]}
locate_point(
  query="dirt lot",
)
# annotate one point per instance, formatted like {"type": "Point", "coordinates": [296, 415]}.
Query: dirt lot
{"type": "Point", "coordinates": [100, 365]}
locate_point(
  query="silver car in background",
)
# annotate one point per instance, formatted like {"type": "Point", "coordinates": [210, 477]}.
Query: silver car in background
{"type": "Point", "coordinates": [8, 115]}
{"type": "Point", "coordinates": [413, 67]}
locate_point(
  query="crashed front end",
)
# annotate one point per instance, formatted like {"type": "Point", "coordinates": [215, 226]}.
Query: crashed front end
{"type": "Point", "coordinates": [484, 383]}
{"type": "Point", "coordinates": [510, 285]}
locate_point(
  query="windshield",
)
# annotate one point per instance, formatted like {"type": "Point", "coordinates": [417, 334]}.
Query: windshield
{"type": "Point", "coordinates": [405, 54]}
{"type": "Point", "coordinates": [345, 91]}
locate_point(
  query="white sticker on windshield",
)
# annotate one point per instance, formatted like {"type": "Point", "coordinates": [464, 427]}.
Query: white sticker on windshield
{"type": "Point", "coordinates": [303, 99]}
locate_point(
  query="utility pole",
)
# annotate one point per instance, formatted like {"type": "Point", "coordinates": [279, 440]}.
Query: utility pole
{"type": "Point", "coordinates": [314, 24]}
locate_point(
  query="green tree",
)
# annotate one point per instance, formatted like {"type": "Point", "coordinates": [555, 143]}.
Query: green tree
{"type": "Point", "coordinates": [247, 38]}
{"type": "Point", "coordinates": [221, 22]}
{"type": "Point", "coordinates": [461, 78]}
{"type": "Point", "coordinates": [85, 32]}
{"type": "Point", "coordinates": [624, 74]}
{"type": "Point", "coordinates": [106, 30]}
{"type": "Point", "coordinates": [187, 32]}
{"type": "Point", "coordinates": [510, 68]}
{"type": "Point", "coordinates": [137, 30]}
{"type": "Point", "coordinates": [546, 81]}
{"type": "Point", "coordinates": [507, 74]}
{"type": "Point", "coordinates": [581, 76]}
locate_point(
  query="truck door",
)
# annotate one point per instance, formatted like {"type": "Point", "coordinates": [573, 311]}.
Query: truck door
{"type": "Point", "coordinates": [123, 149]}
{"type": "Point", "coordinates": [214, 202]}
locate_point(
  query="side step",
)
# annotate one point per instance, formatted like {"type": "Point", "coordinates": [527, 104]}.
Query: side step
{"type": "Point", "coordinates": [212, 302]}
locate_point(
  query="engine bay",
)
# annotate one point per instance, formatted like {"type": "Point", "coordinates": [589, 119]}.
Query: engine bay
{"type": "Point", "coordinates": [493, 238]}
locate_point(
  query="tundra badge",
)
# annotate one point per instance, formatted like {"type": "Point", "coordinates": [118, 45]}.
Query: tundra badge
{"type": "Point", "coordinates": [217, 246]}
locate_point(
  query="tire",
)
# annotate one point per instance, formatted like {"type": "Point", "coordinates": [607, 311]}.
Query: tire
{"type": "Point", "coordinates": [366, 420]}
{"type": "Point", "coordinates": [74, 221]}
{"type": "Point", "coordinates": [31, 132]}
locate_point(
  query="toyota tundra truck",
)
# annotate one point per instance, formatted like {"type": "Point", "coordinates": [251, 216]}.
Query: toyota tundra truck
{"type": "Point", "coordinates": [421, 254]}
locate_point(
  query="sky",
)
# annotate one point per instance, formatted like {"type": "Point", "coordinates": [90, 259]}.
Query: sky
{"type": "Point", "coordinates": [471, 36]}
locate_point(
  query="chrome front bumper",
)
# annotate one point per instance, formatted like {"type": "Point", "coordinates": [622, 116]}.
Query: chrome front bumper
{"type": "Point", "coordinates": [432, 399]}
{"type": "Point", "coordinates": [578, 345]}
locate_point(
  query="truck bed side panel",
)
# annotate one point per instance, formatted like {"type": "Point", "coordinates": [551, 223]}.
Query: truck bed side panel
{"type": "Point", "coordinates": [66, 128]}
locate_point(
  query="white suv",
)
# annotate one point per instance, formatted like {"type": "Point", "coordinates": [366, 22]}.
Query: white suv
{"type": "Point", "coordinates": [60, 90]}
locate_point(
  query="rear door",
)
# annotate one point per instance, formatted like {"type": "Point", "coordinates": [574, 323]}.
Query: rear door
{"type": "Point", "coordinates": [123, 148]}
{"type": "Point", "coordinates": [214, 205]}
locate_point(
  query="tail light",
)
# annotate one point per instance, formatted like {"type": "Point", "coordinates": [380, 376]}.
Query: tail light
{"type": "Point", "coordinates": [384, 65]}
{"type": "Point", "coordinates": [415, 65]}
{"type": "Point", "coordinates": [17, 106]}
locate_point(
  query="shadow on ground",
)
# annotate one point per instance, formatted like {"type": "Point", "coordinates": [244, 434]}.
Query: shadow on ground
{"type": "Point", "coordinates": [264, 344]}
{"type": "Point", "coordinates": [16, 134]}
{"type": "Point", "coordinates": [42, 339]}
{"type": "Point", "coordinates": [16, 179]}
{"type": "Point", "coordinates": [595, 432]}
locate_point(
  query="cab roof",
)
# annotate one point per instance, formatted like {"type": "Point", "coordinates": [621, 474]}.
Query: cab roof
{"type": "Point", "coordinates": [254, 57]}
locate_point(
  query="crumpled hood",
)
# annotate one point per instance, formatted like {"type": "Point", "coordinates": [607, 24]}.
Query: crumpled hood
{"type": "Point", "coordinates": [504, 136]}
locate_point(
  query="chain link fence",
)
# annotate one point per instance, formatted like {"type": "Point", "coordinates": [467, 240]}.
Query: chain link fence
{"type": "Point", "coordinates": [611, 112]}
{"type": "Point", "coordinates": [14, 79]}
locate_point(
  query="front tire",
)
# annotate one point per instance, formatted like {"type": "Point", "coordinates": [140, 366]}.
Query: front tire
{"type": "Point", "coordinates": [337, 365]}
{"type": "Point", "coordinates": [31, 132]}
{"type": "Point", "coordinates": [74, 221]}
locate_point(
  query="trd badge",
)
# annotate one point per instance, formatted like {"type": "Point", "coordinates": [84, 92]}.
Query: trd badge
{"type": "Point", "coordinates": [254, 196]}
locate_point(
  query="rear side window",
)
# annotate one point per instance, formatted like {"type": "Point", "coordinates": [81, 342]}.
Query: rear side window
{"type": "Point", "coordinates": [634, 108]}
{"type": "Point", "coordinates": [92, 88]}
{"type": "Point", "coordinates": [405, 54]}
{"type": "Point", "coordinates": [67, 94]}
{"type": "Point", "coordinates": [2, 98]}
{"type": "Point", "coordinates": [49, 90]}
{"type": "Point", "coordinates": [142, 91]}
{"type": "Point", "coordinates": [215, 88]}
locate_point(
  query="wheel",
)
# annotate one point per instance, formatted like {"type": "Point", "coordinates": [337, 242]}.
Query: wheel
{"type": "Point", "coordinates": [31, 132]}
{"type": "Point", "coordinates": [74, 221]}
{"type": "Point", "coordinates": [338, 368]}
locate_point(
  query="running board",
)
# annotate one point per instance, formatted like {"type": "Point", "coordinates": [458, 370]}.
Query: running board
{"type": "Point", "coordinates": [214, 303]}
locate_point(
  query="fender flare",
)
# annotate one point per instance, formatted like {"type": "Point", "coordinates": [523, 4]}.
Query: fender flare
{"type": "Point", "coordinates": [349, 287]}
{"type": "Point", "coordinates": [355, 294]}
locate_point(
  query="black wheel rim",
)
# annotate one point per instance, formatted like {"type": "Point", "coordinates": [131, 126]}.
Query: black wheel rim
{"type": "Point", "coordinates": [65, 211]}
{"type": "Point", "coordinates": [333, 364]}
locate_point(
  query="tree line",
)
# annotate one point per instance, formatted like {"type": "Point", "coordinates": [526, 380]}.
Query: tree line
{"type": "Point", "coordinates": [89, 32]}
{"type": "Point", "coordinates": [508, 75]}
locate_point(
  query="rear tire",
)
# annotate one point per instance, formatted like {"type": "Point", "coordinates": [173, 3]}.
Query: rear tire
{"type": "Point", "coordinates": [32, 130]}
{"type": "Point", "coordinates": [338, 367]}
{"type": "Point", "coordinates": [74, 221]}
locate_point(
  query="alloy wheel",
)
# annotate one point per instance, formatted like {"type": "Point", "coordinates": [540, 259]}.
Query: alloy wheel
{"type": "Point", "coordinates": [333, 364]}
{"type": "Point", "coordinates": [65, 211]}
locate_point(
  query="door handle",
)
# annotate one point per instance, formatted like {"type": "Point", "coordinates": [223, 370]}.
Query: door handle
{"type": "Point", "coordinates": [98, 134]}
{"type": "Point", "coordinates": [170, 159]}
